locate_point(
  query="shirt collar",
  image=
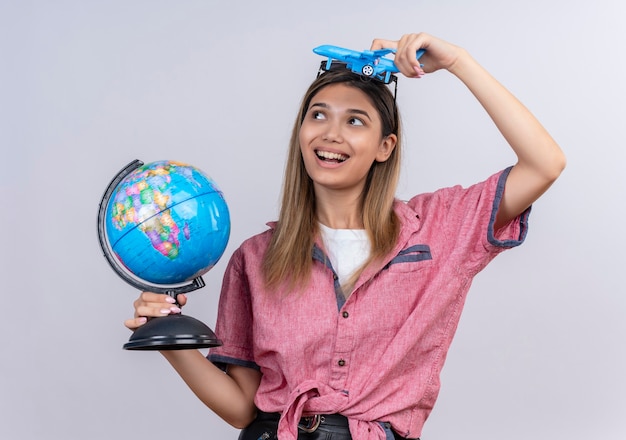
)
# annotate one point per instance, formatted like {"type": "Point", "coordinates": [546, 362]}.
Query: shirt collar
{"type": "Point", "coordinates": [410, 224]}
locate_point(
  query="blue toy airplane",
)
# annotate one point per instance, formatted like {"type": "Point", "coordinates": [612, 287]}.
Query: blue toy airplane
{"type": "Point", "coordinates": [370, 63]}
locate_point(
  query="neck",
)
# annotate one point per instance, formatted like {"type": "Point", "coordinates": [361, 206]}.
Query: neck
{"type": "Point", "coordinates": [339, 211]}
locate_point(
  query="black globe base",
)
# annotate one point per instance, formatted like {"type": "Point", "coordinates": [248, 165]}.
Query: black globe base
{"type": "Point", "coordinates": [172, 332]}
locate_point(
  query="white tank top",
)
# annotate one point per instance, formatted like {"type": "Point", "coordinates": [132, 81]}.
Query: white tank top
{"type": "Point", "coordinates": [347, 250]}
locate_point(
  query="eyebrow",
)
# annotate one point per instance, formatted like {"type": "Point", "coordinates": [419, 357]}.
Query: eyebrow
{"type": "Point", "coordinates": [355, 111]}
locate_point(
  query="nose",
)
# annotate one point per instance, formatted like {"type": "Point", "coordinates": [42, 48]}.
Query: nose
{"type": "Point", "coordinates": [332, 133]}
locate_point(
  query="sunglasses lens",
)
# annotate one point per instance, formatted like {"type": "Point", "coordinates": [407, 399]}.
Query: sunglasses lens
{"type": "Point", "coordinates": [334, 66]}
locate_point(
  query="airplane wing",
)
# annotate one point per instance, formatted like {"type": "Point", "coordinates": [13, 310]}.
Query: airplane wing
{"type": "Point", "coordinates": [334, 51]}
{"type": "Point", "coordinates": [379, 53]}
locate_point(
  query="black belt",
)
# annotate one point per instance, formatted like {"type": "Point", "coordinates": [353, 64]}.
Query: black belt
{"type": "Point", "coordinates": [311, 423]}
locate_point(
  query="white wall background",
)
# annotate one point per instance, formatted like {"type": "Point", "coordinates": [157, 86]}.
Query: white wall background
{"type": "Point", "coordinates": [87, 86]}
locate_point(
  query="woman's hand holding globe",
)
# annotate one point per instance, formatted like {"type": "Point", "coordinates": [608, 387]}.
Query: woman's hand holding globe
{"type": "Point", "coordinates": [152, 305]}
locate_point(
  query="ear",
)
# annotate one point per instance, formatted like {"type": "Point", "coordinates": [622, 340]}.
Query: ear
{"type": "Point", "coordinates": [386, 147]}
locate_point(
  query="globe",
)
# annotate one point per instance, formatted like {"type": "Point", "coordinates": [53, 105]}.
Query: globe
{"type": "Point", "coordinates": [167, 222]}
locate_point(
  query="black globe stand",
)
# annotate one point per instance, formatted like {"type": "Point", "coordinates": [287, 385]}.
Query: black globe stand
{"type": "Point", "coordinates": [171, 332]}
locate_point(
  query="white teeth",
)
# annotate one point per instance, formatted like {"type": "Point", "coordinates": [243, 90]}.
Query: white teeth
{"type": "Point", "coordinates": [331, 156]}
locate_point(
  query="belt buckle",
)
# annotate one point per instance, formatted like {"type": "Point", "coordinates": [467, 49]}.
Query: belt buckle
{"type": "Point", "coordinates": [312, 423]}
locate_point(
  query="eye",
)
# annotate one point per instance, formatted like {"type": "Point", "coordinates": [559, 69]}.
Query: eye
{"type": "Point", "coordinates": [356, 121]}
{"type": "Point", "coordinates": [316, 114]}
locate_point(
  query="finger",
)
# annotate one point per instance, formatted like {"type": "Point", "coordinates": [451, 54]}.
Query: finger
{"type": "Point", "coordinates": [151, 297]}
{"type": "Point", "coordinates": [181, 299]}
{"type": "Point", "coordinates": [406, 55]}
{"type": "Point", "coordinates": [154, 300]}
{"type": "Point", "coordinates": [156, 310]}
{"type": "Point", "coordinates": [155, 304]}
{"type": "Point", "coordinates": [135, 323]}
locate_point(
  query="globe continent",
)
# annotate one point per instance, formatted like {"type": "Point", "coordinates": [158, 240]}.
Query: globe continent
{"type": "Point", "coordinates": [167, 222]}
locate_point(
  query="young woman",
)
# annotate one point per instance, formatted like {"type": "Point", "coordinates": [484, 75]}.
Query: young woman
{"type": "Point", "coordinates": [338, 318]}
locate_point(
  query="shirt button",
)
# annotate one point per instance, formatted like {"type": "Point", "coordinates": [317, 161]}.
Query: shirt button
{"type": "Point", "coordinates": [341, 362]}
{"type": "Point", "coordinates": [345, 314]}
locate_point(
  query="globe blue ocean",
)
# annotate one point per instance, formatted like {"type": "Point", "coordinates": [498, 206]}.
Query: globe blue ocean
{"type": "Point", "coordinates": [167, 222]}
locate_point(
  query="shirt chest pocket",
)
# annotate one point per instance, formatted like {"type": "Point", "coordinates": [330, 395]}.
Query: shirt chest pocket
{"type": "Point", "coordinates": [411, 259]}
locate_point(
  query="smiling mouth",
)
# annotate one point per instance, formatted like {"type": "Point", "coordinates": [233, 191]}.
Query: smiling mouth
{"type": "Point", "coordinates": [327, 156]}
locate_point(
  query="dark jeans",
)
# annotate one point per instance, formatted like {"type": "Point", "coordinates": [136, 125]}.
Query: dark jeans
{"type": "Point", "coordinates": [333, 427]}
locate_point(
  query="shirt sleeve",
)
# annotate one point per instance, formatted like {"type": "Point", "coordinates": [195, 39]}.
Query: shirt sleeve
{"type": "Point", "coordinates": [234, 318]}
{"type": "Point", "coordinates": [514, 232]}
{"type": "Point", "coordinates": [466, 217]}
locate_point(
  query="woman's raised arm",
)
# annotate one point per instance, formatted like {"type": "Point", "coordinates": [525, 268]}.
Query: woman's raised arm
{"type": "Point", "coordinates": [540, 160]}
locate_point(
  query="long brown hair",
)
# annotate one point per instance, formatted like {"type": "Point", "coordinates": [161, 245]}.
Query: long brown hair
{"type": "Point", "coordinates": [288, 259]}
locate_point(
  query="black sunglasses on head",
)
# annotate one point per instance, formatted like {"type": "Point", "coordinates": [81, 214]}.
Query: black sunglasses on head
{"type": "Point", "coordinates": [340, 65]}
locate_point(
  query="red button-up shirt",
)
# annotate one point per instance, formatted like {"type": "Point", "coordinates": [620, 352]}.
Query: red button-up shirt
{"type": "Point", "coordinates": [377, 356]}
